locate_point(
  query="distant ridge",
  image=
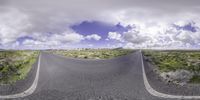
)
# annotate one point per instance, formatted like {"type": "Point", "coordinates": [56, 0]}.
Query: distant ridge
{"type": "Point", "coordinates": [118, 48]}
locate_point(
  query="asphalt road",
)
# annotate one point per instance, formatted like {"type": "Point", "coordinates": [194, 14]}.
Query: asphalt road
{"type": "Point", "coordinates": [62, 78]}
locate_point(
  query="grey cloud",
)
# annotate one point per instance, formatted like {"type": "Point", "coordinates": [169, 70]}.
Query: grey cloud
{"type": "Point", "coordinates": [135, 38]}
{"type": "Point", "coordinates": [56, 15]}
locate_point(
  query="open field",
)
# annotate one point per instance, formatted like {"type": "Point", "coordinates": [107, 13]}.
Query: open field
{"type": "Point", "coordinates": [14, 65]}
{"type": "Point", "coordinates": [93, 53]}
{"type": "Point", "coordinates": [176, 63]}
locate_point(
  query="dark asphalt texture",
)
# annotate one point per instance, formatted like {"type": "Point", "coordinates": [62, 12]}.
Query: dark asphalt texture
{"type": "Point", "coordinates": [64, 78]}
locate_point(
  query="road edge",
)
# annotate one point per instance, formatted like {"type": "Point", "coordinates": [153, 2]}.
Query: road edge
{"type": "Point", "coordinates": [158, 94]}
{"type": "Point", "coordinates": [30, 90]}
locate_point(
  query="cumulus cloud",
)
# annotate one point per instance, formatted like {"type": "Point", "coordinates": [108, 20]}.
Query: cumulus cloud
{"type": "Point", "coordinates": [162, 37]}
{"type": "Point", "coordinates": [115, 36]}
{"type": "Point", "coordinates": [135, 37]}
{"type": "Point", "coordinates": [13, 24]}
{"type": "Point", "coordinates": [152, 21]}
{"type": "Point", "coordinates": [56, 40]}
{"type": "Point", "coordinates": [67, 37]}
{"type": "Point", "coordinates": [68, 12]}
{"type": "Point", "coordinates": [93, 36]}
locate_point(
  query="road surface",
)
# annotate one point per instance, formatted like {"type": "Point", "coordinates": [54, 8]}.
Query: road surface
{"type": "Point", "coordinates": [62, 78]}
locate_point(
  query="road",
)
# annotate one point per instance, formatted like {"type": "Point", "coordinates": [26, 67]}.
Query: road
{"type": "Point", "coordinates": [62, 78]}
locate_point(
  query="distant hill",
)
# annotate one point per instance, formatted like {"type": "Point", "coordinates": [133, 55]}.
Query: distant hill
{"type": "Point", "coordinates": [118, 48]}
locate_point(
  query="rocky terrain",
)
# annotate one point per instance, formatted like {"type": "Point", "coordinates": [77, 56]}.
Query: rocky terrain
{"type": "Point", "coordinates": [179, 67]}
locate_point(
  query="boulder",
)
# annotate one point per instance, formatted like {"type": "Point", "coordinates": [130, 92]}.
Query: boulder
{"type": "Point", "coordinates": [178, 76]}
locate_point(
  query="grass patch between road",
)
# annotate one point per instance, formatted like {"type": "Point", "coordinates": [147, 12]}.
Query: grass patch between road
{"type": "Point", "coordinates": [15, 65]}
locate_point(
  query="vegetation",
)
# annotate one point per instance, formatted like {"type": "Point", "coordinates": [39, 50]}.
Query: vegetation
{"type": "Point", "coordinates": [195, 79]}
{"type": "Point", "coordinates": [15, 65]}
{"type": "Point", "coordinates": [176, 60]}
{"type": "Point", "coordinates": [93, 53]}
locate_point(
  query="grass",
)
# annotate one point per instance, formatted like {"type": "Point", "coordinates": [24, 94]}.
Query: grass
{"type": "Point", "coordinates": [195, 79]}
{"type": "Point", "coordinates": [93, 53]}
{"type": "Point", "coordinates": [175, 60]}
{"type": "Point", "coordinates": [15, 65]}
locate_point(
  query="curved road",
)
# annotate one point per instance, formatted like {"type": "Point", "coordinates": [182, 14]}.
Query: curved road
{"type": "Point", "coordinates": [62, 78]}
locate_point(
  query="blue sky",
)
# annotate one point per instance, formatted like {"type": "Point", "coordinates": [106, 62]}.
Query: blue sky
{"type": "Point", "coordinates": [67, 24]}
{"type": "Point", "coordinates": [101, 29]}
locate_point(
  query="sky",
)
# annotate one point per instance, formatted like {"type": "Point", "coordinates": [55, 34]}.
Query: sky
{"type": "Point", "coordinates": [68, 24]}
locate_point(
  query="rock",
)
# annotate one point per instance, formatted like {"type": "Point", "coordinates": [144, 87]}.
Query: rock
{"type": "Point", "coordinates": [149, 59]}
{"type": "Point", "coordinates": [179, 76]}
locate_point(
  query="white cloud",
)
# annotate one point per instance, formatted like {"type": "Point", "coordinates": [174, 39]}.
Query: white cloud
{"type": "Point", "coordinates": [67, 37]}
{"type": "Point", "coordinates": [151, 22]}
{"type": "Point", "coordinates": [55, 39]}
{"type": "Point", "coordinates": [93, 36]}
{"type": "Point", "coordinates": [115, 36]}
{"type": "Point", "coordinates": [64, 39]}
{"type": "Point", "coordinates": [161, 37]}
{"type": "Point", "coordinates": [155, 29]}
{"type": "Point", "coordinates": [31, 42]}
{"type": "Point", "coordinates": [13, 24]}
{"type": "Point", "coordinates": [129, 45]}
{"type": "Point", "coordinates": [135, 37]}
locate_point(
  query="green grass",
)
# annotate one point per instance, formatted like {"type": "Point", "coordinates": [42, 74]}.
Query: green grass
{"type": "Point", "coordinates": [174, 60]}
{"type": "Point", "coordinates": [93, 53]}
{"type": "Point", "coordinates": [167, 61]}
{"type": "Point", "coordinates": [15, 65]}
{"type": "Point", "coordinates": [195, 79]}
